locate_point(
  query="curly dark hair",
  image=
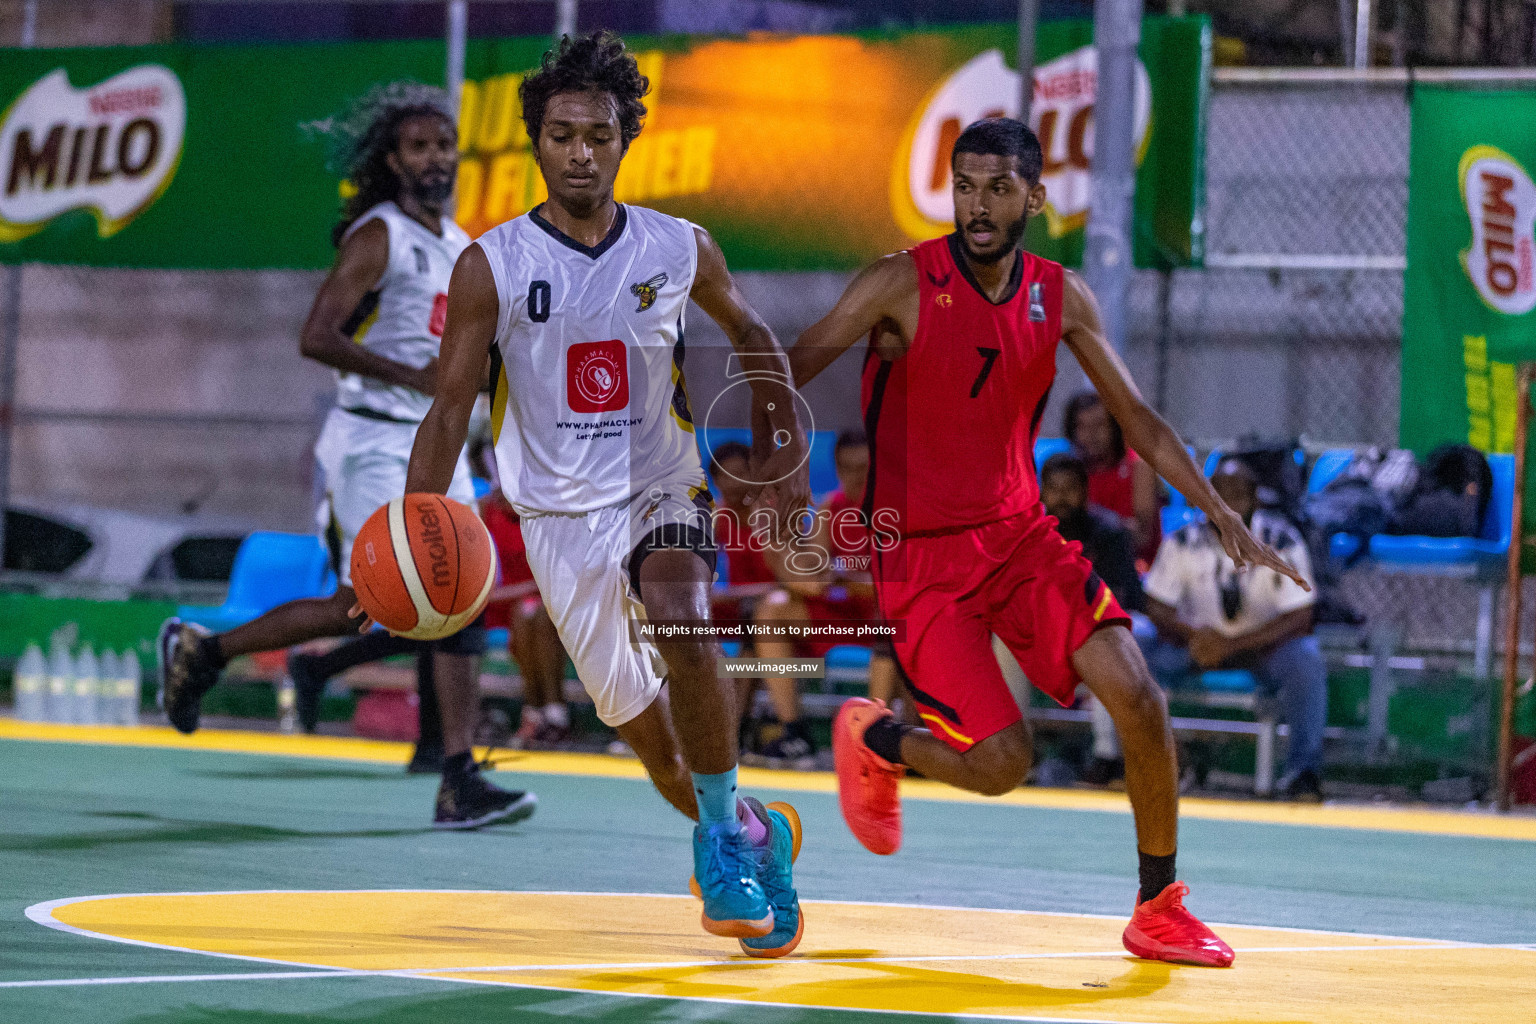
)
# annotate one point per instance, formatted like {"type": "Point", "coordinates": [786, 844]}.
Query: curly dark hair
{"type": "Point", "coordinates": [362, 138]}
{"type": "Point", "coordinates": [597, 61]}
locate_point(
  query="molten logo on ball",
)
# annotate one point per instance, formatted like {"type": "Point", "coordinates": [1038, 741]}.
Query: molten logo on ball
{"type": "Point", "coordinates": [431, 534]}
{"type": "Point", "coordinates": [597, 378]}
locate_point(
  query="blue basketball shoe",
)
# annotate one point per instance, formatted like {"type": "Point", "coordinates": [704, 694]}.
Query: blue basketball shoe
{"type": "Point", "coordinates": [726, 868]}
{"type": "Point", "coordinates": [775, 873]}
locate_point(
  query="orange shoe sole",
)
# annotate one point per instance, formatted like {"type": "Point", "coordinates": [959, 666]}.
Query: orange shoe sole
{"type": "Point", "coordinates": [784, 950]}
{"type": "Point", "coordinates": [738, 929]}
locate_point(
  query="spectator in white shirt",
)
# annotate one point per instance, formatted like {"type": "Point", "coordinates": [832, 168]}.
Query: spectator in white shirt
{"type": "Point", "coordinates": [1209, 615]}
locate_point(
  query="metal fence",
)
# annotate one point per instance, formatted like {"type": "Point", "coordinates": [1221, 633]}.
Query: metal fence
{"type": "Point", "coordinates": [1293, 327]}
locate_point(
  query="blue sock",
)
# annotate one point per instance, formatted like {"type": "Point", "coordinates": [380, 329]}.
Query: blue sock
{"type": "Point", "coordinates": [717, 797]}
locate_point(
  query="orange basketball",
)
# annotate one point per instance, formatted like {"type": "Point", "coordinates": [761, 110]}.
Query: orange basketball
{"type": "Point", "coordinates": [423, 566]}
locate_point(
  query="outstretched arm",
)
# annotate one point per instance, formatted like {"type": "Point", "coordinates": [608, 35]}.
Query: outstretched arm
{"type": "Point", "coordinates": [467, 338]}
{"type": "Point", "coordinates": [875, 297]}
{"type": "Point", "coordinates": [1149, 434]}
{"type": "Point", "coordinates": [360, 263]}
{"type": "Point", "coordinates": [781, 469]}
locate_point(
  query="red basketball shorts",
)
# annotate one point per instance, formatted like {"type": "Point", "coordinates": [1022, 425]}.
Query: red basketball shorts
{"type": "Point", "coordinates": [1016, 578]}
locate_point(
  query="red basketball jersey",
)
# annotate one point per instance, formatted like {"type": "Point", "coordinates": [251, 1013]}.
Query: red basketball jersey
{"type": "Point", "coordinates": [952, 423]}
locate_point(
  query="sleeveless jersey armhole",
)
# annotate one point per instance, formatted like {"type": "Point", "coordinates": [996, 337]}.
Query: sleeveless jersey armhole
{"type": "Point", "coordinates": [368, 217]}
{"type": "Point", "coordinates": [497, 252]}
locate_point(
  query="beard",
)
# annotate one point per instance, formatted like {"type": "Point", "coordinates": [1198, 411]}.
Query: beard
{"type": "Point", "coordinates": [1011, 239]}
{"type": "Point", "coordinates": [433, 190]}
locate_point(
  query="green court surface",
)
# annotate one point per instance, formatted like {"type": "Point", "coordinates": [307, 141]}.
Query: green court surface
{"type": "Point", "coordinates": [314, 834]}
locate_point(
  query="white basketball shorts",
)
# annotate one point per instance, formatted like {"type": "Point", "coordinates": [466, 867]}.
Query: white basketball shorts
{"type": "Point", "coordinates": [581, 563]}
{"type": "Point", "coordinates": [364, 462]}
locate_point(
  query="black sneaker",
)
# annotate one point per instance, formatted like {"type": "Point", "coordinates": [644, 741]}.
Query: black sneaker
{"type": "Point", "coordinates": [1101, 771]}
{"type": "Point", "coordinates": [470, 802]}
{"type": "Point", "coordinates": [185, 673]}
{"type": "Point", "coordinates": [426, 759]}
{"type": "Point", "coordinates": [790, 751]}
{"type": "Point", "coordinates": [308, 688]}
{"type": "Point", "coordinates": [1303, 787]}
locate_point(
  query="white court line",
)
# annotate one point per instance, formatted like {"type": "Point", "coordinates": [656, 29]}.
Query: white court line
{"type": "Point", "coordinates": [148, 979]}
{"type": "Point", "coordinates": [434, 972]}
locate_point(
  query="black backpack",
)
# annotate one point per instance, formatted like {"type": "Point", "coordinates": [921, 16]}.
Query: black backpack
{"type": "Point", "coordinates": [1451, 497]}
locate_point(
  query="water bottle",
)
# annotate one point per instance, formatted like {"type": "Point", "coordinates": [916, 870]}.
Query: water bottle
{"type": "Point", "coordinates": [128, 682]}
{"type": "Point", "coordinates": [287, 707]}
{"type": "Point", "coordinates": [109, 709]}
{"type": "Point", "coordinates": [87, 681]}
{"type": "Point", "coordinates": [61, 681]}
{"type": "Point", "coordinates": [29, 686]}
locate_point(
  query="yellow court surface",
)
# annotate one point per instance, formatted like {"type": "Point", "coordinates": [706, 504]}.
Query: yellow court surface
{"type": "Point", "coordinates": [869, 956]}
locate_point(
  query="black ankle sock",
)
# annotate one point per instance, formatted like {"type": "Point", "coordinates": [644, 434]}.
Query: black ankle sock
{"type": "Point", "coordinates": [208, 649]}
{"type": "Point", "coordinates": [1157, 874]}
{"type": "Point", "coordinates": [884, 738]}
{"type": "Point", "coordinates": [457, 766]}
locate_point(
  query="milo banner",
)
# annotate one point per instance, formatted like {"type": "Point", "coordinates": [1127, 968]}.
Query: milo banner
{"type": "Point", "coordinates": [1469, 293]}
{"type": "Point", "coordinates": [798, 153]}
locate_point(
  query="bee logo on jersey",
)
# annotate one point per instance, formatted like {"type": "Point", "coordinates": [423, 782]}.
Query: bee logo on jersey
{"type": "Point", "coordinates": [1036, 304]}
{"type": "Point", "coordinates": [646, 291]}
{"type": "Point", "coordinates": [597, 378]}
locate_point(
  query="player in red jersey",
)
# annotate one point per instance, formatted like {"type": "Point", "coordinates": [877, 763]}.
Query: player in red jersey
{"type": "Point", "coordinates": [962, 353]}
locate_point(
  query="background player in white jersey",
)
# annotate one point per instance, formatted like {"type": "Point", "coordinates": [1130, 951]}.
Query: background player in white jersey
{"type": "Point", "coordinates": [378, 320]}
{"type": "Point", "coordinates": [580, 304]}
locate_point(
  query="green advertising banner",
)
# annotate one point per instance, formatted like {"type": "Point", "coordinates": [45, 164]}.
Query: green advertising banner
{"type": "Point", "coordinates": [1469, 293]}
{"type": "Point", "coordinates": [798, 153]}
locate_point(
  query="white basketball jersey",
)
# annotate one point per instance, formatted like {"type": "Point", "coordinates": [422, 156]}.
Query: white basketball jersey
{"type": "Point", "coordinates": [588, 406]}
{"type": "Point", "coordinates": [402, 317]}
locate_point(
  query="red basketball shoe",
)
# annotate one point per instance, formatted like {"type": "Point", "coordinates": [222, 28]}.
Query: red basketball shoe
{"type": "Point", "coordinates": [1161, 929]}
{"type": "Point", "coordinates": [867, 784]}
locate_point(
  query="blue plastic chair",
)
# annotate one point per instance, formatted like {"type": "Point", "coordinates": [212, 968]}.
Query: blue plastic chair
{"type": "Point", "coordinates": [270, 569]}
{"type": "Point", "coordinates": [1328, 467]}
{"type": "Point", "coordinates": [1045, 447]}
{"type": "Point", "coordinates": [1228, 680]}
{"type": "Point", "coordinates": [1482, 555]}
{"type": "Point", "coordinates": [1341, 546]}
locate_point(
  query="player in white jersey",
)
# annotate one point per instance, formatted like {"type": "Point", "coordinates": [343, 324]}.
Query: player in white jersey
{"type": "Point", "coordinates": [378, 321]}
{"type": "Point", "coordinates": [580, 306]}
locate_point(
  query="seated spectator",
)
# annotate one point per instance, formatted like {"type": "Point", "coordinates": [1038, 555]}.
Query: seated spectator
{"type": "Point", "coordinates": [1108, 546]}
{"type": "Point", "coordinates": [1106, 540]}
{"type": "Point", "coordinates": [1209, 615]}
{"type": "Point", "coordinates": [1118, 479]}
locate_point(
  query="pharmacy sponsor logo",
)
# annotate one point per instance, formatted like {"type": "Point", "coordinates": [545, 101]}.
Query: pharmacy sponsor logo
{"type": "Point", "coordinates": [111, 148]}
{"type": "Point", "coordinates": [595, 376]}
{"type": "Point", "coordinates": [985, 86]}
{"type": "Point", "coordinates": [1501, 204]}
